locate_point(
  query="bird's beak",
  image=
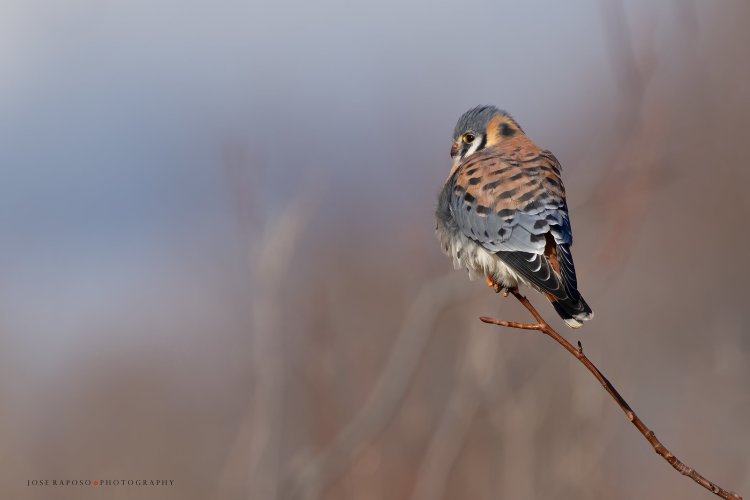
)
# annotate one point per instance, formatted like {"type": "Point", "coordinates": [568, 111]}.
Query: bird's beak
{"type": "Point", "coordinates": [454, 150]}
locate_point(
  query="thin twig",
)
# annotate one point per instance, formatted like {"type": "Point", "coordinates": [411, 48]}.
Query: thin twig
{"type": "Point", "coordinates": [659, 448]}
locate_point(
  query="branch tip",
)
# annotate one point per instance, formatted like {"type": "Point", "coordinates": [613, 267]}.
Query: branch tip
{"type": "Point", "coordinates": [647, 433]}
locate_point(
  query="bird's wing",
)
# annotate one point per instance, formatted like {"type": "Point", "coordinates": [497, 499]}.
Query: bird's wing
{"type": "Point", "coordinates": [513, 204]}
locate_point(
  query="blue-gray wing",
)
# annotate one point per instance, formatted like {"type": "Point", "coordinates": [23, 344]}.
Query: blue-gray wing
{"type": "Point", "coordinates": [514, 206]}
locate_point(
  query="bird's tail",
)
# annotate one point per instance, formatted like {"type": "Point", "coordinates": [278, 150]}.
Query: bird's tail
{"type": "Point", "coordinates": [573, 310]}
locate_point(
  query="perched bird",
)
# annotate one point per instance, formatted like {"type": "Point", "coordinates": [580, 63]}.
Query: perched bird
{"type": "Point", "coordinates": [502, 213]}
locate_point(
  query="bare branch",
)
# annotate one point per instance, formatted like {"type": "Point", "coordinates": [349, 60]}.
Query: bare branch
{"type": "Point", "coordinates": [659, 448]}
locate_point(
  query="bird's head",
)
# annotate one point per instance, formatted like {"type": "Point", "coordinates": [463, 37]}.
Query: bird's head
{"type": "Point", "coordinates": [481, 127]}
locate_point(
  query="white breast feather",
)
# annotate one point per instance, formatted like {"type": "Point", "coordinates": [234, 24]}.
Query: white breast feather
{"type": "Point", "coordinates": [473, 257]}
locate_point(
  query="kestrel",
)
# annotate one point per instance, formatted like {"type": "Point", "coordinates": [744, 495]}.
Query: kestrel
{"type": "Point", "coordinates": [502, 213]}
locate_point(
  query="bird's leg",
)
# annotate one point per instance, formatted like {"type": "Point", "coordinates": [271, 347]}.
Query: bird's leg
{"type": "Point", "coordinates": [497, 286]}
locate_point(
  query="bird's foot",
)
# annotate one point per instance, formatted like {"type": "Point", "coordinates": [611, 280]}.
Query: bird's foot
{"type": "Point", "coordinates": [496, 286]}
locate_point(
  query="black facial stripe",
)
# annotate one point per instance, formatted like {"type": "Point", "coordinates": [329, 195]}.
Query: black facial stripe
{"type": "Point", "coordinates": [482, 143]}
{"type": "Point", "coordinates": [507, 131]}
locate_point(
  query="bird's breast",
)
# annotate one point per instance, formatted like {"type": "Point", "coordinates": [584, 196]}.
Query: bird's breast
{"type": "Point", "coordinates": [473, 257]}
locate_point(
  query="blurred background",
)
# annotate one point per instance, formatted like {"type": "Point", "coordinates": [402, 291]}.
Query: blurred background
{"type": "Point", "coordinates": [219, 265]}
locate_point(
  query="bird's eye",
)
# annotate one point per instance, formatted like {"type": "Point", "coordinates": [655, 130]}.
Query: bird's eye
{"type": "Point", "coordinates": [468, 138]}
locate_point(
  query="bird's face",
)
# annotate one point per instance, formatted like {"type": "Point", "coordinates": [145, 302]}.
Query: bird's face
{"type": "Point", "coordinates": [467, 143]}
{"type": "Point", "coordinates": [479, 128]}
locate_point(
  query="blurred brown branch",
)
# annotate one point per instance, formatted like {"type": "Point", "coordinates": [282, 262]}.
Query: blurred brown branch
{"type": "Point", "coordinates": [475, 374]}
{"type": "Point", "coordinates": [255, 446]}
{"type": "Point", "coordinates": [268, 251]}
{"type": "Point", "coordinates": [542, 326]}
{"type": "Point", "coordinates": [308, 480]}
{"type": "Point", "coordinates": [637, 165]}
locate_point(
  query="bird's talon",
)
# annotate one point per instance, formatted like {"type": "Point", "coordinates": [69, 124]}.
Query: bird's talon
{"type": "Point", "coordinates": [493, 284]}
